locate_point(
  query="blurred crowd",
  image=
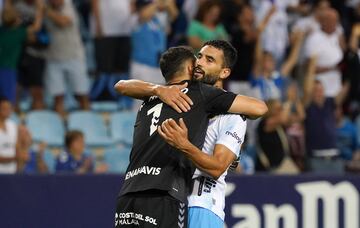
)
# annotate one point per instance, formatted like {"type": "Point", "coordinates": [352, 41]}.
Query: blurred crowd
{"type": "Point", "coordinates": [300, 56]}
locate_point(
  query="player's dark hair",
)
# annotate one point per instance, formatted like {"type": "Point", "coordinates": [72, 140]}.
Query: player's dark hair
{"type": "Point", "coordinates": [172, 61]}
{"type": "Point", "coordinates": [230, 53]}
{"type": "Point", "coordinates": [71, 136]}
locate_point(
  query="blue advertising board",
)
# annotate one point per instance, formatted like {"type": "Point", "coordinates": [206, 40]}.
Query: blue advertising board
{"type": "Point", "coordinates": [304, 201]}
{"type": "Point", "coordinates": [260, 201]}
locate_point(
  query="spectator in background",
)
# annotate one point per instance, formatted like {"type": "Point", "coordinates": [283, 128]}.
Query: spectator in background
{"type": "Point", "coordinates": [1, 10]}
{"type": "Point", "coordinates": [308, 25]}
{"type": "Point", "coordinates": [230, 13]}
{"type": "Point", "coordinates": [244, 164]}
{"type": "Point", "coordinates": [355, 12]}
{"type": "Point", "coordinates": [273, 145]}
{"type": "Point", "coordinates": [267, 82]}
{"type": "Point", "coordinates": [353, 65]}
{"type": "Point", "coordinates": [149, 39]}
{"type": "Point", "coordinates": [311, 23]}
{"type": "Point", "coordinates": [206, 25]}
{"type": "Point", "coordinates": [32, 161]}
{"type": "Point", "coordinates": [8, 139]}
{"type": "Point", "coordinates": [191, 7]}
{"type": "Point", "coordinates": [244, 37]}
{"type": "Point", "coordinates": [65, 55]}
{"type": "Point", "coordinates": [110, 25]}
{"type": "Point", "coordinates": [327, 45]}
{"type": "Point", "coordinates": [346, 136]}
{"type": "Point", "coordinates": [12, 38]}
{"type": "Point", "coordinates": [275, 37]}
{"type": "Point", "coordinates": [320, 124]}
{"type": "Point", "coordinates": [177, 35]}
{"type": "Point", "coordinates": [73, 159]}
{"type": "Point", "coordinates": [32, 63]}
{"type": "Point", "coordinates": [294, 126]}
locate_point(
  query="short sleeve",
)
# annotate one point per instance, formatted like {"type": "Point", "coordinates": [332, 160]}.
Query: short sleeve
{"type": "Point", "coordinates": [231, 132]}
{"type": "Point", "coordinates": [217, 101]}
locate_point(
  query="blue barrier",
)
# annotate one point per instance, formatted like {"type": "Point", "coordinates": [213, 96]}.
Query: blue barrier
{"type": "Point", "coordinates": [260, 201]}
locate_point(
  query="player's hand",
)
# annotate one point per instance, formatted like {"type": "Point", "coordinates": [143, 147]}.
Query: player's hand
{"type": "Point", "coordinates": [174, 97]}
{"type": "Point", "coordinates": [174, 134]}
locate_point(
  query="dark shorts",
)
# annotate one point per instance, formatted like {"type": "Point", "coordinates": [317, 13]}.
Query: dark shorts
{"type": "Point", "coordinates": [150, 209]}
{"type": "Point", "coordinates": [112, 54]}
{"type": "Point", "coordinates": [31, 71]}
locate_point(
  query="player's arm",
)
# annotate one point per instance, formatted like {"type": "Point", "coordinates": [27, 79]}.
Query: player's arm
{"type": "Point", "coordinates": [170, 95]}
{"type": "Point", "coordinates": [251, 107]}
{"type": "Point", "coordinates": [177, 136]}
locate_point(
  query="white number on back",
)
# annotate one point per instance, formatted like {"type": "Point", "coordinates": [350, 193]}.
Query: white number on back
{"type": "Point", "coordinates": [155, 111]}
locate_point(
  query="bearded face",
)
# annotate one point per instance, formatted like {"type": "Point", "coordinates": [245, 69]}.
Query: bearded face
{"type": "Point", "coordinates": [206, 77]}
{"type": "Point", "coordinates": [209, 65]}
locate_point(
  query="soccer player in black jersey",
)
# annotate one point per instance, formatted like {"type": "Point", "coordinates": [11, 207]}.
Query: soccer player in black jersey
{"type": "Point", "coordinates": [158, 178]}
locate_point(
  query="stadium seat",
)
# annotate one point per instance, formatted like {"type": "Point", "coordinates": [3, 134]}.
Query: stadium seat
{"type": "Point", "coordinates": [49, 160]}
{"type": "Point", "coordinates": [104, 106]}
{"type": "Point", "coordinates": [122, 127]}
{"type": "Point", "coordinates": [46, 126]}
{"type": "Point", "coordinates": [92, 126]}
{"type": "Point", "coordinates": [117, 159]}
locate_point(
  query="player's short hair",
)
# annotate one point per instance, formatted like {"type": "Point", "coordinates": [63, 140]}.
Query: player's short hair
{"type": "Point", "coordinates": [172, 61]}
{"type": "Point", "coordinates": [230, 53]}
{"type": "Point", "coordinates": [71, 136]}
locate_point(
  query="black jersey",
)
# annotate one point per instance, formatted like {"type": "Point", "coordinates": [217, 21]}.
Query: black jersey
{"type": "Point", "coordinates": [154, 164]}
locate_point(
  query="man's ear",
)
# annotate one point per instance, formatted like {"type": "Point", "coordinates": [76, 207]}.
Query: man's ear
{"type": "Point", "coordinates": [190, 68]}
{"type": "Point", "coordinates": [225, 73]}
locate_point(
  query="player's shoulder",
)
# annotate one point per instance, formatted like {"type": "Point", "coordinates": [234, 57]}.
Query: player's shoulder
{"type": "Point", "coordinates": [205, 86]}
{"type": "Point", "coordinates": [232, 118]}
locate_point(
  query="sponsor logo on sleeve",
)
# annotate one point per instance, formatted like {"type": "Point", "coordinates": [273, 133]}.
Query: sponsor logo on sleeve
{"type": "Point", "coordinates": [234, 135]}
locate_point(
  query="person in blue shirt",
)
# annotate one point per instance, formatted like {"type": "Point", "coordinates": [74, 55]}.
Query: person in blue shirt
{"type": "Point", "coordinates": [31, 160]}
{"type": "Point", "coordinates": [73, 159]}
{"type": "Point", "coordinates": [346, 133]}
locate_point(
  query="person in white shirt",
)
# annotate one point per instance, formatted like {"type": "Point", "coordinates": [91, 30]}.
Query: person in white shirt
{"type": "Point", "coordinates": [8, 140]}
{"type": "Point", "coordinates": [275, 36]}
{"type": "Point", "coordinates": [224, 137]}
{"type": "Point", "coordinates": [111, 26]}
{"type": "Point", "coordinates": [327, 45]}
